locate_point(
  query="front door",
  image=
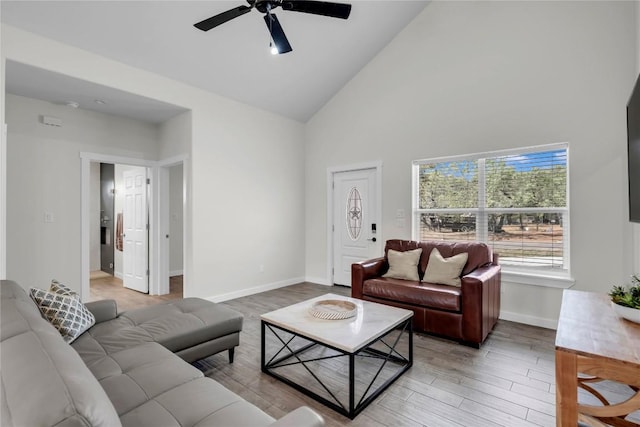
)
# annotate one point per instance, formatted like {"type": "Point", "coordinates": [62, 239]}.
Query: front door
{"type": "Point", "coordinates": [355, 221]}
{"type": "Point", "coordinates": [135, 259]}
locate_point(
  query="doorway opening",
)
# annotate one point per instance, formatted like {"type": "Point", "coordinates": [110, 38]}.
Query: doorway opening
{"type": "Point", "coordinates": [176, 228]}
{"type": "Point", "coordinates": [123, 215]}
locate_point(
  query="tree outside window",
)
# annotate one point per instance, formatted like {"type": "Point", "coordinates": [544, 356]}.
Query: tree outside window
{"type": "Point", "coordinates": [515, 201]}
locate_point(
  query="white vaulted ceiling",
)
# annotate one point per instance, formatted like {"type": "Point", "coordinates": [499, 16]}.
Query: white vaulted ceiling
{"type": "Point", "coordinates": [232, 60]}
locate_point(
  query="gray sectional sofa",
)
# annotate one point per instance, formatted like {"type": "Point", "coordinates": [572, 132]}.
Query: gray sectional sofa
{"type": "Point", "coordinates": [123, 370]}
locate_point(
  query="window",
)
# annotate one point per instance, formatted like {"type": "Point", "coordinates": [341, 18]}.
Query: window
{"type": "Point", "coordinates": [516, 201]}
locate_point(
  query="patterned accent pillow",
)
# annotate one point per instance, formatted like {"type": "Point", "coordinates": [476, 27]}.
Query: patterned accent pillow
{"type": "Point", "coordinates": [60, 289]}
{"type": "Point", "coordinates": [65, 312]}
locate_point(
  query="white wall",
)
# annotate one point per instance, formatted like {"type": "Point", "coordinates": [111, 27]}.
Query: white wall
{"type": "Point", "coordinates": [94, 220]}
{"type": "Point", "coordinates": [245, 177]}
{"type": "Point", "coordinates": [43, 175]}
{"type": "Point", "coordinates": [465, 77]}
{"type": "Point", "coordinates": [3, 175]}
{"type": "Point", "coordinates": [636, 227]}
{"type": "Point", "coordinates": [248, 202]}
{"type": "Point", "coordinates": [176, 220]}
{"type": "Point", "coordinates": [175, 136]}
{"type": "Point", "coordinates": [637, 4]}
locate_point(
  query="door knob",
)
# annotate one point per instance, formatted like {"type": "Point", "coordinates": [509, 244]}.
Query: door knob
{"type": "Point", "coordinates": [373, 239]}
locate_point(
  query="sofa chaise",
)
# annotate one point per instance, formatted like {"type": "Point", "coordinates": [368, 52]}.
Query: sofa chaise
{"type": "Point", "coordinates": [123, 370]}
{"type": "Point", "coordinates": [465, 311]}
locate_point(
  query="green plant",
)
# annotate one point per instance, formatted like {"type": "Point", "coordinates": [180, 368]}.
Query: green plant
{"type": "Point", "coordinates": [627, 296]}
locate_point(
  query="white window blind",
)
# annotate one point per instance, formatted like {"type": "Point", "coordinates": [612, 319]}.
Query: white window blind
{"type": "Point", "coordinates": [515, 201]}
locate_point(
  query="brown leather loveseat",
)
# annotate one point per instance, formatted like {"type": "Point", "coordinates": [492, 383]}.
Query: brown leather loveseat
{"type": "Point", "coordinates": [466, 313]}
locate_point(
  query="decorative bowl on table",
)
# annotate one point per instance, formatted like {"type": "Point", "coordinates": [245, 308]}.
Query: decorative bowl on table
{"type": "Point", "coordinates": [333, 309]}
{"type": "Point", "coordinates": [632, 314]}
{"type": "Point", "coordinates": [626, 300]}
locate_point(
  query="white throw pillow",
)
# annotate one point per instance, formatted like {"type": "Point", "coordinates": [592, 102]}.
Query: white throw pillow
{"type": "Point", "coordinates": [65, 312]}
{"type": "Point", "coordinates": [403, 265]}
{"type": "Point", "coordinates": [445, 271]}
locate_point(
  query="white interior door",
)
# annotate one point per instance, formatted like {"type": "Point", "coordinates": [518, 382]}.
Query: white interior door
{"type": "Point", "coordinates": [354, 221]}
{"type": "Point", "coordinates": [135, 258]}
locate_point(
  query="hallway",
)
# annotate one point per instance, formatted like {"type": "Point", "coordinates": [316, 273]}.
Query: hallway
{"type": "Point", "coordinates": [105, 286]}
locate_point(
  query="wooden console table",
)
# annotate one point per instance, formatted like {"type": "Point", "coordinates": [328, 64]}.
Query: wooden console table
{"type": "Point", "coordinates": [593, 341]}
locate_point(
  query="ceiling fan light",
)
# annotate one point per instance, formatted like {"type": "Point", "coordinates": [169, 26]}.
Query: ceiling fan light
{"type": "Point", "coordinates": [273, 48]}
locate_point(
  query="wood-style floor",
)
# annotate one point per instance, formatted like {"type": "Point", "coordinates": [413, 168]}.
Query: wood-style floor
{"type": "Point", "coordinates": [105, 286]}
{"type": "Point", "coordinates": [509, 381]}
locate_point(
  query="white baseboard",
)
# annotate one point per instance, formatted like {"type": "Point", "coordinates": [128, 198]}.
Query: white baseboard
{"type": "Point", "coordinates": [176, 273]}
{"type": "Point", "coordinates": [255, 290]}
{"type": "Point", "coordinates": [529, 320]}
{"type": "Point", "coordinates": [318, 281]}
{"type": "Point", "coordinates": [118, 274]}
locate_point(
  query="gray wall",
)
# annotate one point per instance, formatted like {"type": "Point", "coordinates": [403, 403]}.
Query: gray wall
{"type": "Point", "coordinates": [176, 220]}
{"type": "Point", "coordinates": [467, 77]}
{"type": "Point", "coordinates": [94, 220]}
{"type": "Point", "coordinates": [43, 175]}
{"type": "Point", "coordinates": [246, 188]}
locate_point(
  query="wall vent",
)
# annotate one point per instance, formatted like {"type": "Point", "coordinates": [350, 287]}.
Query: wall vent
{"type": "Point", "coordinates": [51, 121]}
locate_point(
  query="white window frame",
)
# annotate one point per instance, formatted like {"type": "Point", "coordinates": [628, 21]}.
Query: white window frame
{"type": "Point", "coordinates": [555, 279]}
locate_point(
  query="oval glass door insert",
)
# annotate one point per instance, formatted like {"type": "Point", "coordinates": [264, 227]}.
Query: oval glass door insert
{"type": "Point", "coordinates": [354, 213]}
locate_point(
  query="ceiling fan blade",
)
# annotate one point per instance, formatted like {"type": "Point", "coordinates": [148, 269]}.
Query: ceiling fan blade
{"type": "Point", "coordinates": [221, 18]}
{"type": "Point", "coordinates": [277, 33]}
{"type": "Point", "coordinates": [335, 10]}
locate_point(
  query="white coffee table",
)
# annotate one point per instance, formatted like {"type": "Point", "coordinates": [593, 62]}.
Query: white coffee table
{"type": "Point", "coordinates": [321, 358]}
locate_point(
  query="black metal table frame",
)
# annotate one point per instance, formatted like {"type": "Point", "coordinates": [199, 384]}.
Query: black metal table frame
{"type": "Point", "coordinates": [354, 409]}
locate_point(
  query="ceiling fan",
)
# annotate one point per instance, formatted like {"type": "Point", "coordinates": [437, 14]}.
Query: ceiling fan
{"type": "Point", "coordinates": [280, 42]}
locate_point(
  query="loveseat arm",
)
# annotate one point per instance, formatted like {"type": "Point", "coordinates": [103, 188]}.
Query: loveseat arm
{"type": "Point", "coordinates": [301, 417]}
{"type": "Point", "coordinates": [365, 270]}
{"type": "Point", "coordinates": [483, 274]}
{"type": "Point", "coordinates": [103, 310]}
{"type": "Point", "coordinates": [480, 303]}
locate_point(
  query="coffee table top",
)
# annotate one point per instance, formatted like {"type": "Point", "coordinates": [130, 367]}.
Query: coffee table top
{"type": "Point", "coordinates": [350, 335]}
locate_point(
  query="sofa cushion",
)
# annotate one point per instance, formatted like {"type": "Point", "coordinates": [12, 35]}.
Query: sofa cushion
{"type": "Point", "coordinates": [445, 271]}
{"type": "Point", "coordinates": [176, 325]}
{"type": "Point", "coordinates": [199, 403]}
{"type": "Point", "coordinates": [64, 311]}
{"type": "Point", "coordinates": [403, 265]}
{"type": "Point", "coordinates": [441, 297]}
{"type": "Point", "coordinates": [44, 381]}
{"type": "Point", "coordinates": [134, 376]}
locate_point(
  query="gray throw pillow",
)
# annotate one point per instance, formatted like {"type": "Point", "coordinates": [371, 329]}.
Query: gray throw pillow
{"type": "Point", "coordinates": [403, 265]}
{"type": "Point", "coordinates": [65, 312]}
{"type": "Point", "coordinates": [445, 271]}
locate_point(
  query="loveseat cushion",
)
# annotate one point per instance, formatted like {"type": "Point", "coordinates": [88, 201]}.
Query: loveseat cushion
{"type": "Point", "coordinates": [423, 294]}
{"type": "Point", "coordinates": [445, 271]}
{"type": "Point", "coordinates": [479, 254]}
{"type": "Point", "coordinates": [199, 403]}
{"type": "Point", "coordinates": [403, 265]}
